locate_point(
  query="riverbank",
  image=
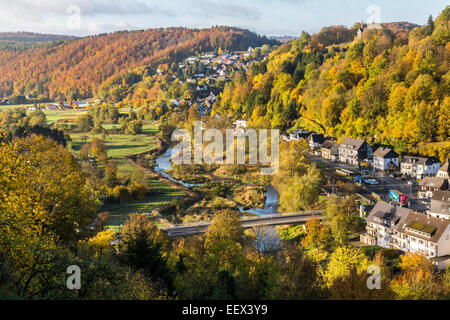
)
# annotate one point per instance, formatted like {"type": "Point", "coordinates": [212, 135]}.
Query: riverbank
{"type": "Point", "coordinates": [164, 166]}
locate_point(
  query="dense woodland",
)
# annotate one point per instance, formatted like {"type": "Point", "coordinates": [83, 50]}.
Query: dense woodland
{"type": "Point", "coordinates": [75, 69]}
{"type": "Point", "coordinates": [390, 86]}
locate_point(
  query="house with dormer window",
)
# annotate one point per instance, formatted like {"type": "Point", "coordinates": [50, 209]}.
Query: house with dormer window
{"type": "Point", "coordinates": [423, 234]}
{"type": "Point", "coordinates": [385, 159]}
{"type": "Point", "coordinates": [354, 151]}
{"type": "Point", "coordinates": [419, 167]}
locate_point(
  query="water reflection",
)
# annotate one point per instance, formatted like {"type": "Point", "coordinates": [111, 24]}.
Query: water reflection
{"type": "Point", "coordinates": [163, 164]}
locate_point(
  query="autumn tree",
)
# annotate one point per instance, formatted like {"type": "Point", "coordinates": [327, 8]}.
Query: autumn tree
{"type": "Point", "coordinates": [299, 276]}
{"type": "Point", "coordinates": [42, 187]}
{"type": "Point", "coordinates": [342, 262]}
{"type": "Point", "coordinates": [43, 206]}
{"type": "Point", "coordinates": [142, 247]}
{"type": "Point", "coordinates": [217, 266]}
{"type": "Point", "coordinates": [85, 123]}
{"type": "Point", "coordinates": [301, 192]}
{"type": "Point", "coordinates": [318, 235]}
{"type": "Point", "coordinates": [418, 280]}
{"type": "Point", "coordinates": [340, 216]}
{"type": "Point", "coordinates": [226, 225]}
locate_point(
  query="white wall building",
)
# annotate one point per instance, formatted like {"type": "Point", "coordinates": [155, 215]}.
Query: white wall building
{"type": "Point", "coordinates": [389, 226]}
{"type": "Point", "coordinates": [420, 233]}
{"type": "Point", "coordinates": [418, 167]}
{"type": "Point", "coordinates": [381, 222]}
{"type": "Point", "coordinates": [385, 159]}
{"type": "Point", "coordinates": [241, 124]}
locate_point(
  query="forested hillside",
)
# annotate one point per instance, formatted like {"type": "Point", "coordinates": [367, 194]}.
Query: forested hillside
{"type": "Point", "coordinates": [30, 38]}
{"type": "Point", "coordinates": [75, 69]}
{"type": "Point", "coordinates": [388, 85]}
{"type": "Point", "coordinates": [20, 41]}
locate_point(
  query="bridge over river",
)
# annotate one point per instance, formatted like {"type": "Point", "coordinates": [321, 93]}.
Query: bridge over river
{"type": "Point", "coordinates": [252, 222]}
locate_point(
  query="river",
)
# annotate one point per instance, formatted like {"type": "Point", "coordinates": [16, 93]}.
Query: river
{"type": "Point", "coordinates": [163, 164]}
{"type": "Point", "coordinates": [267, 238]}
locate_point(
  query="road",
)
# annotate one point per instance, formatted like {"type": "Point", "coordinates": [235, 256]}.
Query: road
{"type": "Point", "coordinates": [247, 223]}
{"type": "Point", "coordinates": [386, 183]}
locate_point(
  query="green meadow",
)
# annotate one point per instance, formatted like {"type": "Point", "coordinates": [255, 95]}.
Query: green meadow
{"type": "Point", "coordinates": [120, 146]}
{"type": "Point", "coordinates": [119, 213]}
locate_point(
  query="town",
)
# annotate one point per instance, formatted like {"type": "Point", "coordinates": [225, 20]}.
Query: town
{"type": "Point", "coordinates": [409, 221]}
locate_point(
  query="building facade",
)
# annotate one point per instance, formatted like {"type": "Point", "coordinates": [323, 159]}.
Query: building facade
{"type": "Point", "coordinates": [423, 234]}
{"type": "Point", "coordinates": [381, 222]}
{"type": "Point", "coordinates": [443, 171]}
{"type": "Point", "coordinates": [419, 167]}
{"type": "Point", "coordinates": [330, 150]}
{"type": "Point", "coordinates": [353, 151]}
{"type": "Point", "coordinates": [315, 140]}
{"type": "Point", "coordinates": [299, 134]}
{"type": "Point", "coordinates": [440, 205]}
{"type": "Point", "coordinates": [385, 159]}
{"type": "Point", "coordinates": [429, 185]}
{"type": "Point", "coordinates": [398, 228]}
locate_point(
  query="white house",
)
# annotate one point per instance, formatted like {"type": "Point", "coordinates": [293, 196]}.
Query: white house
{"type": "Point", "coordinates": [192, 59]}
{"type": "Point", "coordinates": [385, 159]}
{"type": "Point", "coordinates": [423, 234]}
{"type": "Point", "coordinates": [315, 140]}
{"type": "Point", "coordinates": [202, 88]}
{"type": "Point", "coordinates": [444, 171]}
{"type": "Point", "coordinates": [176, 102]}
{"type": "Point", "coordinates": [390, 226]}
{"type": "Point", "coordinates": [299, 134]}
{"type": "Point", "coordinates": [381, 222]}
{"type": "Point", "coordinates": [418, 167]}
{"type": "Point", "coordinates": [82, 105]}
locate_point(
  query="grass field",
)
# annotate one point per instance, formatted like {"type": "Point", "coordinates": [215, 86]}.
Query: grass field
{"type": "Point", "coordinates": [147, 128]}
{"type": "Point", "coordinates": [54, 115]}
{"type": "Point", "coordinates": [118, 146]}
{"type": "Point", "coordinates": [119, 213]}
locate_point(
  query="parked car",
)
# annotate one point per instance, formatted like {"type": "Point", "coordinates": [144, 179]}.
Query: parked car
{"type": "Point", "coordinates": [371, 181]}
